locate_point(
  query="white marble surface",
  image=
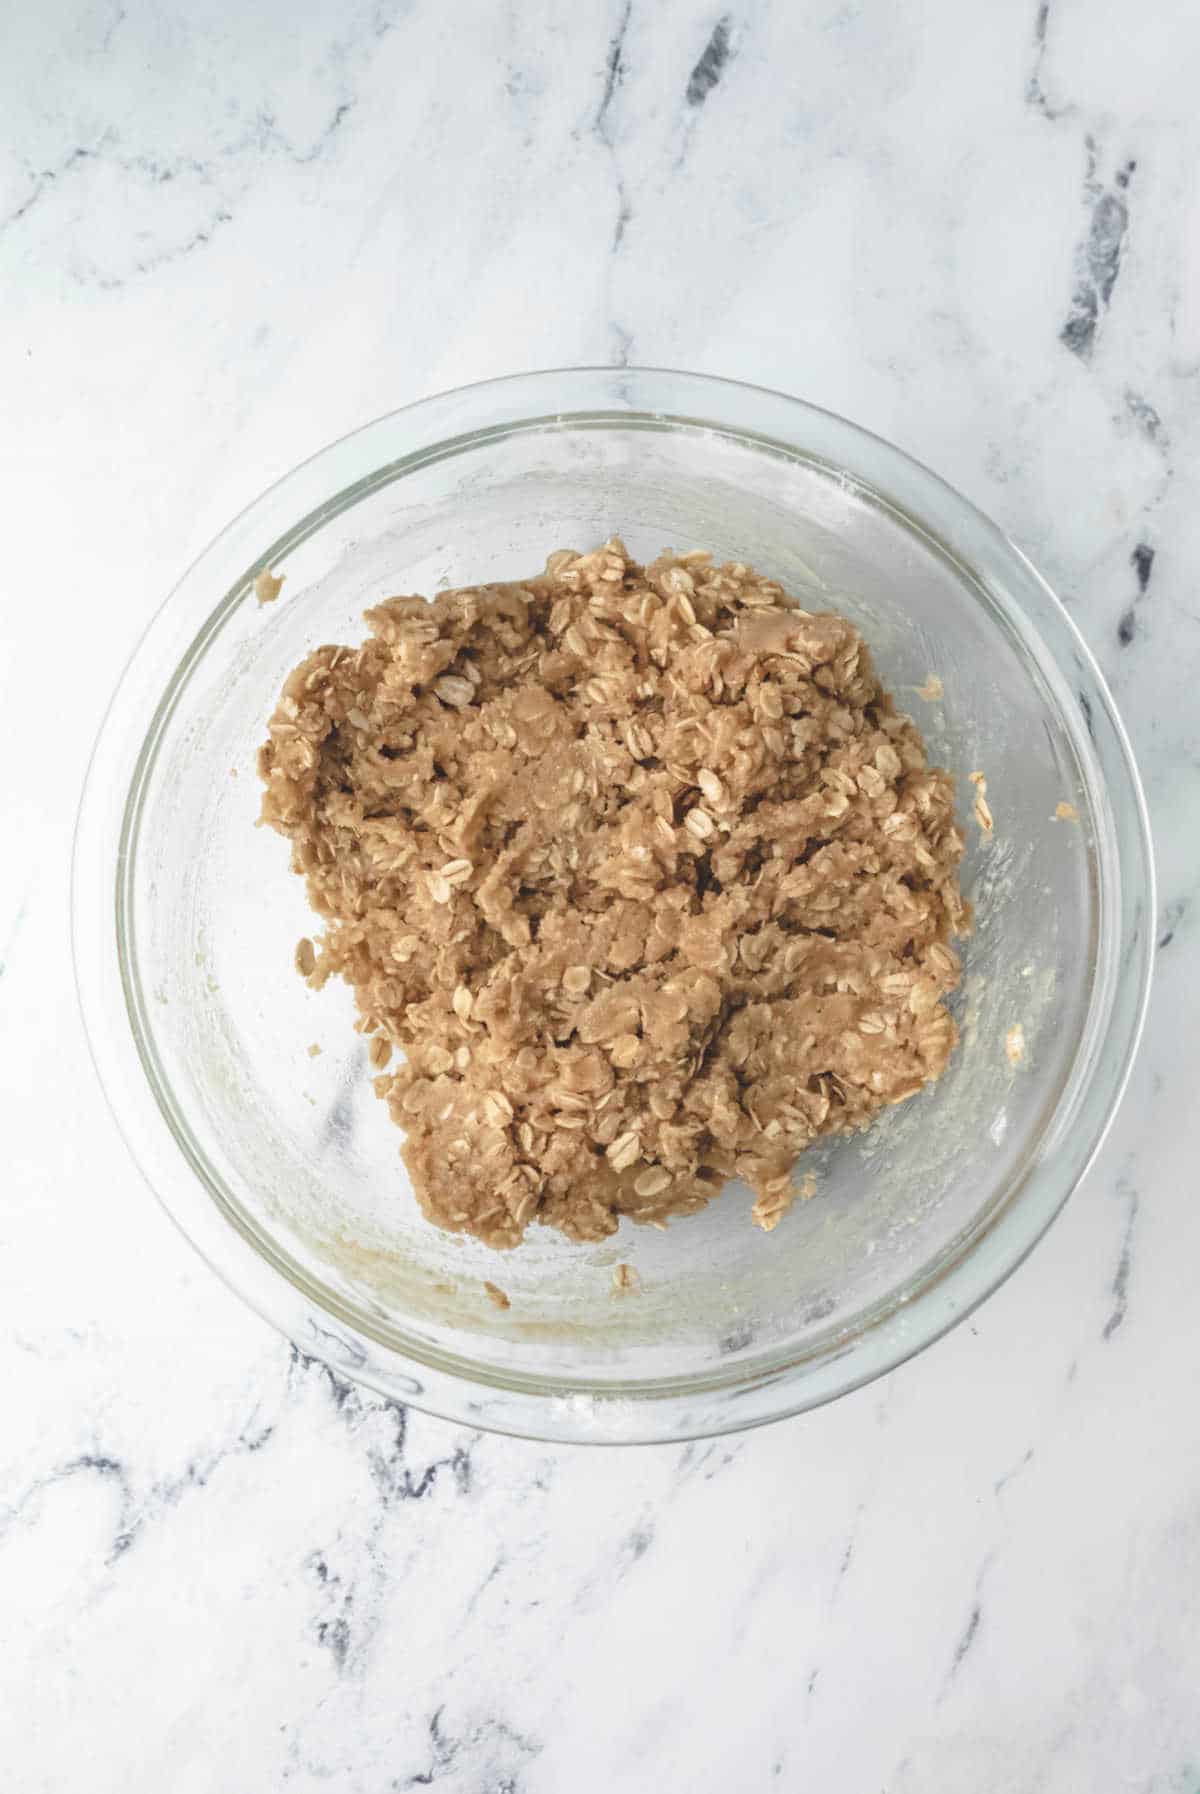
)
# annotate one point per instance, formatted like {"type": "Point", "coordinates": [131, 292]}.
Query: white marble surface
{"type": "Point", "coordinates": [229, 233]}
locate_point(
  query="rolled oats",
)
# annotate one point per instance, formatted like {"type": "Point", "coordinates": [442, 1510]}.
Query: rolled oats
{"type": "Point", "coordinates": [642, 869]}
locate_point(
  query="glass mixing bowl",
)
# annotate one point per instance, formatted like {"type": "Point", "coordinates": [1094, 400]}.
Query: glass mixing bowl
{"type": "Point", "coordinates": [284, 1169]}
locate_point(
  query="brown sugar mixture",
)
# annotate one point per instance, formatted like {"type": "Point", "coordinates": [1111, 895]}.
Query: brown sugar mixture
{"type": "Point", "coordinates": [640, 868]}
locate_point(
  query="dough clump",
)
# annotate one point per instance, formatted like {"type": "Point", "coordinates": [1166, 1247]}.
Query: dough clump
{"type": "Point", "coordinates": [642, 871]}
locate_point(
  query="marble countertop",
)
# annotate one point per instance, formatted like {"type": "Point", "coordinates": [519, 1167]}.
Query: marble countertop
{"type": "Point", "coordinates": [229, 234]}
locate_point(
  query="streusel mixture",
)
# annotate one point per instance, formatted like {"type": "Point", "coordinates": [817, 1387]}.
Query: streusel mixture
{"type": "Point", "coordinates": [641, 869]}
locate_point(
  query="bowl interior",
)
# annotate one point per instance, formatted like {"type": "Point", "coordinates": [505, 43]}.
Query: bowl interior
{"type": "Point", "coordinates": [296, 1148]}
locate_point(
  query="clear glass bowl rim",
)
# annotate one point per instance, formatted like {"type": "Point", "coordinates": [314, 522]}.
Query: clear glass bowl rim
{"type": "Point", "coordinates": [335, 479]}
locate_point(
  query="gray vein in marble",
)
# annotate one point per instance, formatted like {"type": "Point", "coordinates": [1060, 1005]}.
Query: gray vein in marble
{"type": "Point", "coordinates": [495, 1751]}
{"type": "Point", "coordinates": [262, 137]}
{"type": "Point", "coordinates": [707, 73]}
{"type": "Point", "coordinates": [197, 1473]}
{"type": "Point", "coordinates": [1173, 915]}
{"type": "Point", "coordinates": [43, 179]}
{"type": "Point", "coordinates": [1098, 257]}
{"type": "Point", "coordinates": [1146, 417]}
{"type": "Point", "coordinates": [622, 341]}
{"type": "Point", "coordinates": [392, 1478]}
{"type": "Point", "coordinates": [499, 1565]}
{"type": "Point", "coordinates": [711, 64]}
{"type": "Point", "coordinates": [839, 1578]}
{"type": "Point", "coordinates": [1142, 561]}
{"type": "Point", "coordinates": [614, 74]}
{"type": "Point", "coordinates": [92, 1463]}
{"type": "Point", "coordinates": [350, 1575]}
{"type": "Point", "coordinates": [968, 1637]}
{"type": "Point", "coordinates": [707, 1460]}
{"type": "Point", "coordinates": [636, 1543]}
{"type": "Point", "coordinates": [604, 128]}
{"type": "Point", "coordinates": [333, 1630]}
{"type": "Point", "coordinates": [1034, 92]}
{"type": "Point", "coordinates": [970, 1631]}
{"type": "Point", "coordinates": [1023, 1462]}
{"type": "Point", "coordinates": [1085, 704]}
{"type": "Point", "coordinates": [846, 1559]}
{"type": "Point", "coordinates": [199, 239]}
{"type": "Point", "coordinates": [137, 1513]}
{"type": "Point", "coordinates": [617, 1560]}
{"type": "Point", "coordinates": [1120, 1283]}
{"type": "Point", "coordinates": [110, 31]}
{"type": "Point", "coordinates": [1035, 87]}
